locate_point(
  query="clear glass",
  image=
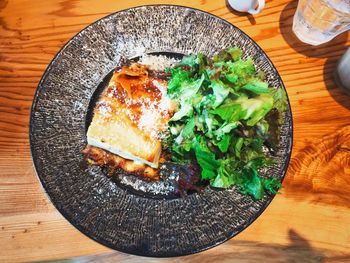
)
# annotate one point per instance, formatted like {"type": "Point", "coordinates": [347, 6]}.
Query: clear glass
{"type": "Point", "coordinates": [318, 21]}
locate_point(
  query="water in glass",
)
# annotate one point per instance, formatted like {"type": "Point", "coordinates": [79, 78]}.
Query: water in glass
{"type": "Point", "coordinates": [318, 21]}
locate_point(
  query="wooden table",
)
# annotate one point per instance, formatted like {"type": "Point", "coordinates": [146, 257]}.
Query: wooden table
{"type": "Point", "coordinates": [308, 222]}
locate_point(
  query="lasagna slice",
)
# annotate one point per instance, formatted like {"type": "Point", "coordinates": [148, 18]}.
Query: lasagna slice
{"type": "Point", "coordinates": [130, 117]}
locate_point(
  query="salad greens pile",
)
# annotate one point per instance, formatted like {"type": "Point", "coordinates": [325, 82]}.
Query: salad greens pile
{"type": "Point", "coordinates": [227, 120]}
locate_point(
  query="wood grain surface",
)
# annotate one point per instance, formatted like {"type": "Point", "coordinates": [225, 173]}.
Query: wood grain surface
{"type": "Point", "coordinates": [307, 222]}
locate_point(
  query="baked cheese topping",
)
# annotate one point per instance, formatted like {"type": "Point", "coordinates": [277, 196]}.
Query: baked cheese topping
{"type": "Point", "coordinates": [131, 115]}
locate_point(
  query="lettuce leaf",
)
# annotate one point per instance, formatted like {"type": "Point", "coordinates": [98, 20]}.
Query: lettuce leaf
{"type": "Point", "coordinates": [224, 143]}
{"type": "Point", "coordinates": [219, 91]}
{"type": "Point", "coordinates": [257, 86]}
{"type": "Point", "coordinates": [185, 94]}
{"type": "Point", "coordinates": [206, 160]}
{"type": "Point", "coordinates": [226, 115]}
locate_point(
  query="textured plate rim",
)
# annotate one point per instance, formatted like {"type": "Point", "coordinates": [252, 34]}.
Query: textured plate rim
{"type": "Point", "coordinates": [86, 231]}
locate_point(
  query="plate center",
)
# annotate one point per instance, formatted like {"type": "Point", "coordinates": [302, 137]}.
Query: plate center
{"type": "Point", "coordinates": [167, 187]}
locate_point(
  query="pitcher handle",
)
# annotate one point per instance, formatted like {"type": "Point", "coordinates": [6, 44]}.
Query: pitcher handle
{"type": "Point", "coordinates": [261, 5]}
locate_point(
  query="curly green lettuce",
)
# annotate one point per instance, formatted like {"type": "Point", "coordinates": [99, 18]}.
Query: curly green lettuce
{"type": "Point", "coordinates": [226, 120]}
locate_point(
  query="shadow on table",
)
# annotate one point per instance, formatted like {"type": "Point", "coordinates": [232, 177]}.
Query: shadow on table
{"type": "Point", "coordinates": [299, 250]}
{"type": "Point", "coordinates": [249, 16]}
{"type": "Point", "coordinates": [331, 51]}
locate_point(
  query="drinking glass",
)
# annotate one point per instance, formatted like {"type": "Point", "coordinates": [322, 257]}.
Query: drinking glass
{"type": "Point", "coordinates": [318, 21]}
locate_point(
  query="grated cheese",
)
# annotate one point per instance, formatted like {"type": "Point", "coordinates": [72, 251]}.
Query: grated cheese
{"type": "Point", "coordinates": [157, 63]}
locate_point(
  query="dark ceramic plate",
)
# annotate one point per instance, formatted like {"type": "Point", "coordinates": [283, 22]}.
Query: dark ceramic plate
{"type": "Point", "coordinates": [137, 219]}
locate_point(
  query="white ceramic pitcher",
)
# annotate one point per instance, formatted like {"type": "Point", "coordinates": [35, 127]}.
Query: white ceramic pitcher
{"type": "Point", "coordinates": [249, 6]}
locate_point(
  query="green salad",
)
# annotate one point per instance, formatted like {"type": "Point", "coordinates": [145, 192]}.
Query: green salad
{"type": "Point", "coordinates": [227, 120]}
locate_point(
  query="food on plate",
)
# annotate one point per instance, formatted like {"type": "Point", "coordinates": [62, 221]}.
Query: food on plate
{"type": "Point", "coordinates": [129, 119]}
{"type": "Point", "coordinates": [114, 162]}
{"type": "Point", "coordinates": [216, 115]}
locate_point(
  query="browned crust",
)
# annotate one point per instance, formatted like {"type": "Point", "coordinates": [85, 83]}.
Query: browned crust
{"type": "Point", "coordinates": [114, 163]}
